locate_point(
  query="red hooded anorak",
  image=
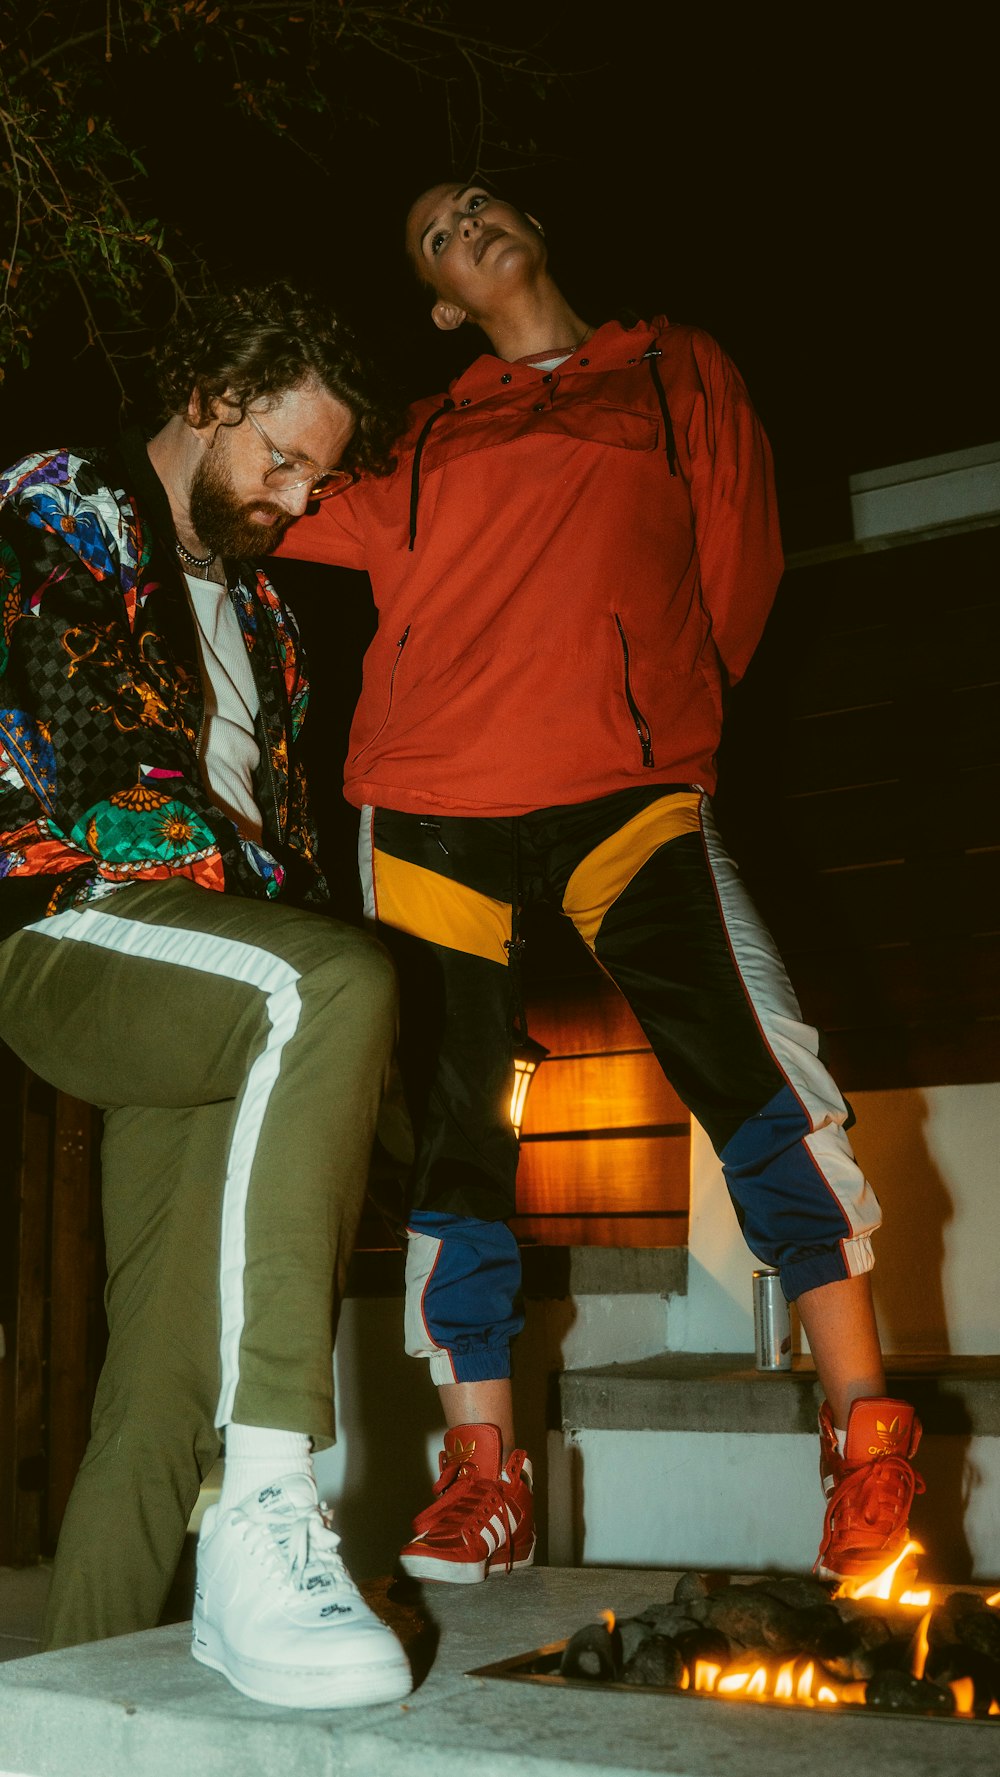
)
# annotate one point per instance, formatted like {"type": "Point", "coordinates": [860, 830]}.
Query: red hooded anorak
{"type": "Point", "coordinates": [568, 571]}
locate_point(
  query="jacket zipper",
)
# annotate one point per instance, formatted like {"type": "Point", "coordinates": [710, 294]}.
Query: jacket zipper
{"type": "Point", "coordinates": [641, 725]}
{"type": "Point", "coordinates": [400, 645]}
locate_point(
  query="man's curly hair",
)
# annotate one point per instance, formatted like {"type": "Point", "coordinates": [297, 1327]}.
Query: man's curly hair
{"type": "Point", "coordinates": [253, 343]}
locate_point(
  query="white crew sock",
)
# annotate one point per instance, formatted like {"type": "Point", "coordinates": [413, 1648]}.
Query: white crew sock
{"type": "Point", "coordinates": [841, 1437]}
{"type": "Point", "coordinates": [256, 1456]}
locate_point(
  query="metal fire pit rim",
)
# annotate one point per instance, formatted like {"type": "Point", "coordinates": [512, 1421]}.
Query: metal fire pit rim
{"type": "Point", "coordinates": [509, 1670]}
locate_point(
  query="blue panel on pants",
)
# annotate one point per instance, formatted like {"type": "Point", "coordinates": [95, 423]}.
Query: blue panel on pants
{"type": "Point", "coordinates": [468, 1294]}
{"type": "Point", "coordinates": [787, 1209]}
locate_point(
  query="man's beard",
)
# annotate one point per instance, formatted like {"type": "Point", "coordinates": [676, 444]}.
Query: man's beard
{"type": "Point", "coordinates": [222, 523]}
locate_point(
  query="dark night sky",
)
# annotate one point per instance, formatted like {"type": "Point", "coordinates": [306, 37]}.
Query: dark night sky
{"type": "Point", "coordinates": [810, 185]}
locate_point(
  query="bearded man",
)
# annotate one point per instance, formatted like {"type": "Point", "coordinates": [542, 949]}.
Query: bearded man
{"type": "Point", "coordinates": [165, 956]}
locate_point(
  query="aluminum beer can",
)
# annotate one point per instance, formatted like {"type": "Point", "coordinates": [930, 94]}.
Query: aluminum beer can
{"type": "Point", "coordinates": [771, 1323]}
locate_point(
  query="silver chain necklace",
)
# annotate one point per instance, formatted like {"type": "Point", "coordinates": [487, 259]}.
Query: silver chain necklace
{"type": "Point", "coordinates": [195, 561]}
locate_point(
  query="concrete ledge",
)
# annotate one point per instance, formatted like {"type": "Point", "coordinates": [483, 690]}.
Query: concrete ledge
{"type": "Point", "coordinates": [141, 1707]}
{"type": "Point", "coordinates": [555, 1273]}
{"type": "Point", "coordinates": [723, 1392]}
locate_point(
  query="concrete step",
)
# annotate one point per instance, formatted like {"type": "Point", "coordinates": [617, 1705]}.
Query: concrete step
{"type": "Point", "coordinates": [723, 1392]}
{"type": "Point", "coordinates": [691, 1460]}
{"type": "Point", "coordinates": [141, 1707]}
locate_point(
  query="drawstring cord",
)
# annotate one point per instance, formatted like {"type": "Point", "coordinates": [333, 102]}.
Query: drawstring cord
{"type": "Point", "coordinates": [650, 358]}
{"type": "Point", "coordinates": [514, 945]}
{"type": "Point", "coordinates": [446, 407]}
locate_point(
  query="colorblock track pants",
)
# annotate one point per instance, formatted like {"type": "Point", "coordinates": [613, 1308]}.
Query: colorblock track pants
{"type": "Point", "coordinates": [239, 1052]}
{"type": "Point", "coordinates": [645, 880]}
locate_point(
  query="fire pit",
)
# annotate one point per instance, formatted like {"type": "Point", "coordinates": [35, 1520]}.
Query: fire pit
{"type": "Point", "coordinates": [792, 1641]}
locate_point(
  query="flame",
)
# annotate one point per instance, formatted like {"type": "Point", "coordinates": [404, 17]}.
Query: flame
{"type": "Point", "coordinates": [920, 1646]}
{"type": "Point", "coordinates": [609, 1619]}
{"type": "Point", "coordinates": [803, 1690]}
{"type": "Point", "coordinates": [782, 1687]}
{"type": "Point", "coordinates": [783, 1683]}
{"type": "Point", "coordinates": [964, 1692]}
{"type": "Point", "coordinates": [795, 1681]}
{"type": "Point", "coordinates": [882, 1584]}
{"type": "Point", "coordinates": [853, 1693]}
{"type": "Point", "coordinates": [732, 1683]}
{"type": "Point", "coordinates": [995, 1598]}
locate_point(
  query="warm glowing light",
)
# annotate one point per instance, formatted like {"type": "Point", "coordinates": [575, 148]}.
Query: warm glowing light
{"type": "Point", "coordinates": [919, 1599]}
{"type": "Point", "coordinates": [853, 1693]}
{"type": "Point", "coordinates": [825, 1695]}
{"type": "Point", "coordinates": [964, 1692]}
{"type": "Point", "coordinates": [609, 1619]}
{"type": "Point", "coordinates": [803, 1690]}
{"type": "Point", "coordinates": [758, 1683]}
{"type": "Point", "coordinates": [527, 1056]}
{"type": "Point", "coordinates": [995, 1598]}
{"type": "Point", "coordinates": [882, 1584]}
{"type": "Point", "coordinates": [994, 1709]}
{"type": "Point", "coordinates": [783, 1682]}
{"type": "Point", "coordinates": [920, 1647]}
{"type": "Point", "coordinates": [705, 1675]}
{"type": "Point", "coordinates": [732, 1683]}
{"type": "Point", "coordinates": [685, 1680]}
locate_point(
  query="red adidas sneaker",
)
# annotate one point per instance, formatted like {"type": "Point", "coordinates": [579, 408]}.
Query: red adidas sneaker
{"type": "Point", "coordinates": [482, 1521]}
{"type": "Point", "coordinates": [869, 1489]}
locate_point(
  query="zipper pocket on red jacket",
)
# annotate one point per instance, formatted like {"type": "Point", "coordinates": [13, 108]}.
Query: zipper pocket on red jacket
{"type": "Point", "coordinates": [400, 645]}
{"type": "Point", "coordinates": [641, 725]}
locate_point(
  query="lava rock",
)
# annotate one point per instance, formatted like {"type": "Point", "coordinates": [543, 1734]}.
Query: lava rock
{"type": "Point", "coordinates": [870, 1627]}
{"type": "Point", "coordinates": [703, 1643]}
{"type": "Point", "coordinates": [593, 1652]}
{"type": "Point", "coordinates": [825, 1637]}
{"type": "Point", "coordinates": [689, 1587]}
{"type": "Point", "coordinates": [894, 1691]}
{"type": "Point", "coordinates": [748, 1618]}
{"type": "Point", "coordinates": [954, 1661]}
{"type": "Point", "coordinates": [665, 1619]}
{"type": "Point", "coordinates": [796, 1590]}
{"type": "Point", "coordinates": [657, 1661]}
{"type": "Point", "coordinates": [980, 1630]}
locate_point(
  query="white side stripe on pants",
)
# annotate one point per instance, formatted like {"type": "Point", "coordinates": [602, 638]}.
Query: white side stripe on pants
{"type": "Point", "coordinates": [231, 960]}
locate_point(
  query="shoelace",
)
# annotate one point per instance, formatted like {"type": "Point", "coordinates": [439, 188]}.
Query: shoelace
{"type": "Point", "coordinates": [307, 1544]}
{"type": "Point", "coordinates": [463, 1494]}
{"type": "Point", "coordinates": [876, 1497]}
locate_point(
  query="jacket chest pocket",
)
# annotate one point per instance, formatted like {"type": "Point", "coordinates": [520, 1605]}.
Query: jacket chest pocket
{"type": "Point", "coordinates": [576, 421]}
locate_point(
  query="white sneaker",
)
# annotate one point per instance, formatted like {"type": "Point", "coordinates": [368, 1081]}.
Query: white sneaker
{"type": "Point", "coordinates": [277, 1612]}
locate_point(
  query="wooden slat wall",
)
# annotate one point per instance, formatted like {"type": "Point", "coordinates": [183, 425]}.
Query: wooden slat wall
{"type": "Point", "coordinates": [860, 788]}
{"type": "Point", "coordinates": [51, 1279]}
{"type": "Point", "coordinates": [605, 1143]}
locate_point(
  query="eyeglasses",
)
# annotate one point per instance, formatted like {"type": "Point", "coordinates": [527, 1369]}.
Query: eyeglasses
{"type": "Point", "coordinates": [289, 472]}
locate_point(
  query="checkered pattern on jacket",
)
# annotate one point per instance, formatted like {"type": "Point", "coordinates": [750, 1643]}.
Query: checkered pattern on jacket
{"type": "Point", "coordinates": [101, 700]}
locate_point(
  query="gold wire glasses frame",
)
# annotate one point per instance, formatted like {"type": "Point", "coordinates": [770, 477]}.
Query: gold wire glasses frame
{"type": "Point", "coordinates": [290, 472]}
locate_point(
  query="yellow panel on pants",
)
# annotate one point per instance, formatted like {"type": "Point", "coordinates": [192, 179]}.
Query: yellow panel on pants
{"type": "Point", "coordinates": [415, 900]}
{"type": "Point", "coordinates": [597, 882]}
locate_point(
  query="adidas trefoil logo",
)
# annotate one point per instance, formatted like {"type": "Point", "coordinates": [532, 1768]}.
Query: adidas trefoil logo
{"type": "Point", "coordinates": [890, 1436]}
{"type": "Point", "coordinates": [462, 1452]}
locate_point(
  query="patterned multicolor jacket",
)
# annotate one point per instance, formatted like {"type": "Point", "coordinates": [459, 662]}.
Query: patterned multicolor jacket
{"type": "Point", "coordinates": [101, 699]}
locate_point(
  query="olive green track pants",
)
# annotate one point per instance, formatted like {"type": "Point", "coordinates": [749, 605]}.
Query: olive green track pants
{"type": "Point", "coordinates": [239, 1051]}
